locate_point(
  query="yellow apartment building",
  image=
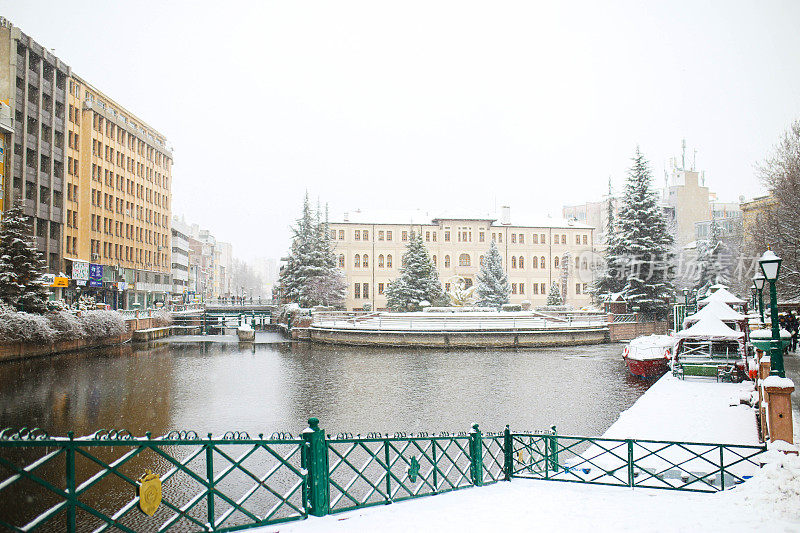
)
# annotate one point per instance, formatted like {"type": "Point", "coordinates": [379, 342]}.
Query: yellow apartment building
{"type": "Point", "coordinates": [117, 207]}
{"type": "Point", "coordinates": [370, 247]}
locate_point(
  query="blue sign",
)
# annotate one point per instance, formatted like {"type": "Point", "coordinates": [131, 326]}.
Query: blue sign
{"type": "Point", "coordinates": [95, 271]}
{"type": "Point", "coordinates": [95, 283]}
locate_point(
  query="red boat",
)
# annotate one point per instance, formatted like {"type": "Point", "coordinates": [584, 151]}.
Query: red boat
{"type": "Point", "coordinates": [649, 356]}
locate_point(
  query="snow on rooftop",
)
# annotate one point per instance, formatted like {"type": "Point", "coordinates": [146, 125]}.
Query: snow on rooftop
{"type": "Point", "coordinates": [715, 309]}
{"type": "Point", "coordinates": [419, 217]}
{"type": "Point", "coordinates": [724, 296]}
{"type": "Point", "coordinates": [710, 328]}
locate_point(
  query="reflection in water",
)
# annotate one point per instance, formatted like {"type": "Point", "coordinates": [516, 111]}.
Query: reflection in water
{"type": "Point", "coordinates": [275, 387]}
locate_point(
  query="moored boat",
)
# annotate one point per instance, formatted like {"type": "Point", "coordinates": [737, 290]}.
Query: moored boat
{"type": "Point", "coordinates": [649, 356]}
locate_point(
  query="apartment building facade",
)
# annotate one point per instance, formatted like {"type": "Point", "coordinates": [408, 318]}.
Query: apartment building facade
{"type": "Point", "coordinates": [180, 261]}
{"type": "Point", "coordinates": [118, 196]}
{"type": "Point", "coordinates": [370, 245]}
{"type": "Point", "coordinates": [34, 86]}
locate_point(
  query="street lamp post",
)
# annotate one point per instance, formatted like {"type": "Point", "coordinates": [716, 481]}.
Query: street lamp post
{"type": "Point", "coordinates": [758, 283]}
{"type": "Point", "coordinates": [686, 297]}
{"type": "Point", "coordinates": [770, 266]}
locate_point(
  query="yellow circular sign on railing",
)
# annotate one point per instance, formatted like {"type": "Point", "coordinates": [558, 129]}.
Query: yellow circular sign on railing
{"type": "Point", "coordinates": [149, 493]}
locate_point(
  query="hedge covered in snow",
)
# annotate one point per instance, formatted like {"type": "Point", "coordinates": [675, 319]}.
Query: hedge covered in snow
{"type": "Point", "coordinates": [16, 326]}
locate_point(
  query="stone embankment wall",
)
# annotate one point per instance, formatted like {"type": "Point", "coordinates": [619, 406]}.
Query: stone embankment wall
{"type": "Point", "coordinates": [625, 331]}
{"type": "Point", "coordinates": [20, 350]}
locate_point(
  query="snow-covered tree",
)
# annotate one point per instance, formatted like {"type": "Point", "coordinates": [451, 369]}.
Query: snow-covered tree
{"type": "Point", "coordinates": [493, 289]}
{"type": "Point", "coordinates": [646, 242]}
{"type": "Point", "coordinates": [311, 275]}
{"type": "Point", "coordinates": [21, 265]}
{"type": "Point", "coordinates": [554, 297]}
{"type": "Point", "coordinates": [713, 261]}
{"type": "Point", "coordinates": [609, 279]}
{"type": "Point", "coordinates": [418, 281]}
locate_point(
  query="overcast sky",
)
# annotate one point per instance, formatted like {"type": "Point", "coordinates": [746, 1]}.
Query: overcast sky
{"type": "Point", "coordinates": [430, 105]}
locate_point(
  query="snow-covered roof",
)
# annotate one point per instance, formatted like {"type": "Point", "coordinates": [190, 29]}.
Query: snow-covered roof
{"type": "Point", "coordinates": [419, 217]}
{"type": "Point", "coordinates": [710, 328]}
{"type": "Point", "coordinates": [647, 341]}
{"type": "Point", "coordinates": [715, 309]}
{"type": "Point", "coordinates": [722, 295]}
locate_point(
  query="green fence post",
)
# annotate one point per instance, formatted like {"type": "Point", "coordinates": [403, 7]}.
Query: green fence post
{"type": "Point", "coordinates": [388, 471]}
{"type": "Point", "coordinates": [210, 480]}
{"type": "Point", "coordinates": [721, 469]}
{"type": "Point", "coordinates": [476, 455]}
{"type": "Point", "coordinates": [630, 462]}
{"type": "Point", "coordinates": [554, 449]}
{"type": "Point", "coordinates": [71, 522]}
{"type": "Point", "coordinates": [508, 453]}
{"type": "Point", "coordinates": [315, 462]}
{"type": "Point", "coordinates": [546, 456]}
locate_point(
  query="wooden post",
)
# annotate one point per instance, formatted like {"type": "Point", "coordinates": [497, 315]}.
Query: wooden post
{"type": "Point", "coordinates": [779, 408]}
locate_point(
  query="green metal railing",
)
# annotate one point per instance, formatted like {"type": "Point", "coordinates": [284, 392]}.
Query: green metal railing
{"type": "Point", "coordinates": [235, 482]}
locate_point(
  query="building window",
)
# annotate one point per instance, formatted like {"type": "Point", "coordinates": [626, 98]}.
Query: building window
{"type": "Point", "coordinates": [522, 288]}
{"type": "Point", "coordinates": [585, 239]}
{"type": "Point", "coordinates": [333, 234]}
{"type": "Point", "coordinates": [380, 235]}
{"type": "Point", "coordinates": [494, 237]}
{"type": "Point", "coordinates": [535, 287]}
{"type": "Point", "coordinates": [535, 238]}
{"type": "Point", "coordinates": [521, 262]}
{"type": "Point", "coordinates": [577, 239]}
{"type": "Point", "coordinates": [513, 262]}
{"type": "Point", "coordinates": [447, 261]}
{"type": "Point", "coordinates": [404, 236]}
{"type": "Point", "coordinates": [482, 260]}
{"type": "Point", "coordinates": [555, 262]}
{"type": "Point", "coordinates": [499, 237]}
{"type": "Point", "coordinates": [357, 235]}
{"type": "Point", "coordinates": [341, 260]}
{"type": "Point", "coordinates": [357, 261]}
{"type": "Point", "coordinates": [389, 235]}
{"type": "Point", "coordinates": [514, 240]}
{"type": "Point", "coordinates": [563, 239]}
{"type": "Point", "coordinates": [434, 260]}
{"type": "Point", "coordinates": [513, 288]}
{"type": "Point", "coordinates": [446, 287]}
{"type": "Point", "coordinates": [535, 263]}
{"type": "Point", "coordinates": [446, 236]}
{"type": "Point", "coordinates": [577, 262]}
{"type": "Point", "coordinates": [357, 290]}
{"type": "Point", "coordinates": [584, 264]}
{"type": "Point", "coordinates": [389, 261]}
{"type": "Point", "coordinates": [366, 235]}
{"type": "Point", "coordinates": [585, 286]}
{"type": "Point", "coordinates": [365, 290]}
{"type": "Point", "coordinates": [380, 288]}
{"type": "Point", "coordinates": [542, 263]}
{"type": "Point", "coordinates": [542, 239]}
{"type": "Point", "coordinates": [577, 288]}
{"type": "Point", "coordinates": [381, 261]}
{"type": "Point", "coordinates": [522, 240]}
{"type": "Point", "coordinates": [464, 260]}
{"type": "Point", "coordinates": [543, 288]}
{"type": "Point", "coordinates": [427, 236]}
{"type": "Point", "coordinates": [341, 234]}
{"type": "Point", "coordinates": [365, 261]}
{"type": "Point", "coordinates": [434, 236]}
{"type": "Point", "coordinates": [481, 236]}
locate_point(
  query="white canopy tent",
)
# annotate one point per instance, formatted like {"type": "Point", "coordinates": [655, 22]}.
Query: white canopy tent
{"type": "Point", "coordinates": [710, 328]}
{"type": "Point", "coordinates": [722, 295]}
{"type": "Point", "coordinates": [714, 309]}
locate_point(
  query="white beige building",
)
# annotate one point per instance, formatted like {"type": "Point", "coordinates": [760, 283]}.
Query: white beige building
{"type": "Point", "coordinates": [370, 248]}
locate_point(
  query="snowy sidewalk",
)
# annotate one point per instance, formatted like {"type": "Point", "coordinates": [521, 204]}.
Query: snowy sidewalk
{"type": "Point", "coordinates": [527, 505]}
{"type": "Point", "coordinates": [691, 410]}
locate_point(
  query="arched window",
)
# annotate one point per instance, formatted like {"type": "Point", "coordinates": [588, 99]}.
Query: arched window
{"type": "Point", "coordinates": [521, 262]}
{"type": "Point", "coordinates": [447, 261]}
{"type": "Point", "coordinates": [555, 262]}
{"type": "Point", "coordinates": [535, 263]}
{"type": "Point", "coordinates": [341, 260]}
{"type": "Point", "coordinates": [464, 260]}
{"type": "Point", "coordinates": [357, 261]}
{"type": "Point", "coordinates": [513, 262]}
{"type": "Point", "coordinates": [380, 261]}
{"type": "Point", "coordinates": [434, 260]}
{"type": "Point", "coordinates": [366, 261]}
{"type": "Point", "coordinates": [542, 263]}
{"type": "Point", "coordinates": [389, 261]}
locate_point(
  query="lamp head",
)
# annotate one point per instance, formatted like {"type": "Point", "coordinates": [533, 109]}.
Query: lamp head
{"type": "Point", "coordinates": [758, 281]}
{"type": "Point", "coordinates": [770, 265]}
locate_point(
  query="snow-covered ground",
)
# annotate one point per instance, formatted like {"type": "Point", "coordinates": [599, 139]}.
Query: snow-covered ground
{"type": "Point", "coordinates": [768, 502]}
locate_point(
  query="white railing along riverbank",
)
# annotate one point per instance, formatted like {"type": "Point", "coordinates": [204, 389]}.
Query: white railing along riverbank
{"type": "Point", "coordinates": [431, 322]}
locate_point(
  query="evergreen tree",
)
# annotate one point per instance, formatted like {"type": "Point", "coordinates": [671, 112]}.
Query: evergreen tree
{"type": "Point", "coordinates": [21, 265]}
{"type": "Point", "coordinates": [493, 289]}
{"type": "Point", "coordinates": [418, 281]}
{"type": "Point", "coordinates": [329, 287]}
{"type": "Point", "coordinates": [712, 260]}
{"type": "Point", "coordinates": [554, 297]}
{"type": "Point", "coordinates": [645, 241]}
{"type": "Point", "coordinates": [609, 280]}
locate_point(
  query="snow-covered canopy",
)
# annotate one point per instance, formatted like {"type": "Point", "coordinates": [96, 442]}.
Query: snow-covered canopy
{"type": "Point", "coordinates": [722, 295]}
{"type": "Point", "coordinates": [647, 341]}
{"type": "Point", "coordinates": [710, 328]}
{"type": "Point", "coordinates": [766, 333]}
{"type": "Point", "coordinates": [714, 309]}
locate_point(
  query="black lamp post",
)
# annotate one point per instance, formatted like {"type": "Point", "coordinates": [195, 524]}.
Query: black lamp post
{"type": "Point", "coordinates": [770, 266]}
{"type": "Point", "coordinates": [758, 283]}
{"type": "Point", "coordinates": [686, 297]}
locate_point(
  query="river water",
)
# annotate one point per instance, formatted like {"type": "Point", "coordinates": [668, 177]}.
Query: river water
{"type": "Point", "coordinates": [214, 387]}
